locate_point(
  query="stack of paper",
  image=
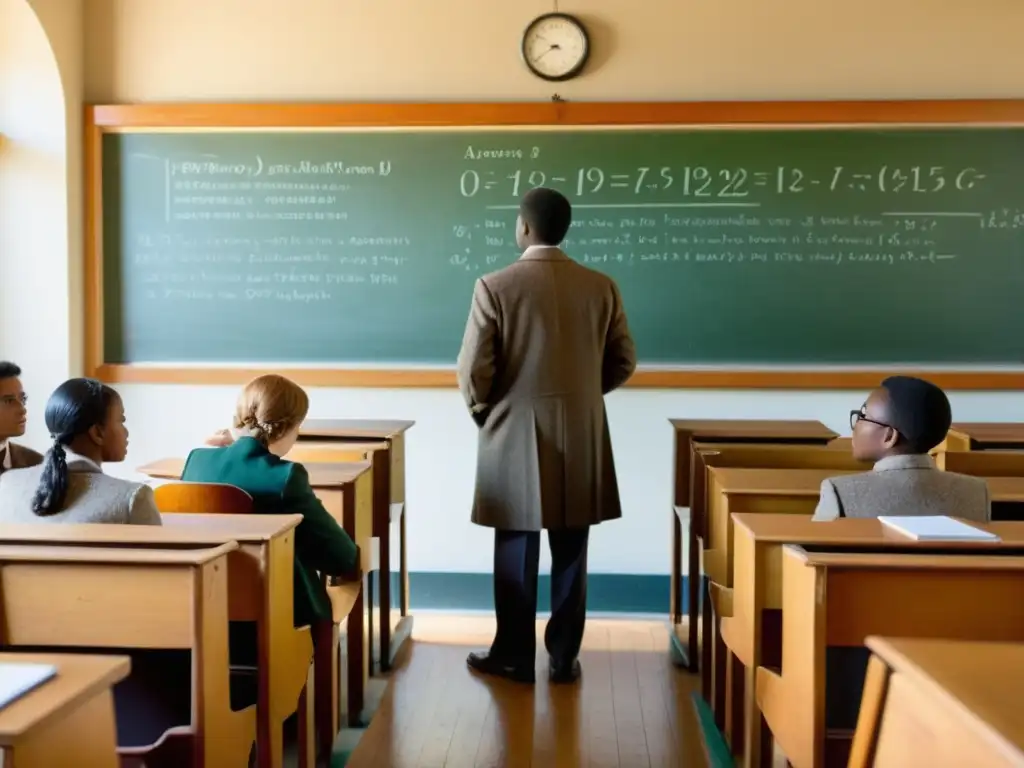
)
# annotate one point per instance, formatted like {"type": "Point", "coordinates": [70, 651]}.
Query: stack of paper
{"type": "Point", "coordinates": [937, 528]}
{"type": "Point", "coordinates": [18, 679]}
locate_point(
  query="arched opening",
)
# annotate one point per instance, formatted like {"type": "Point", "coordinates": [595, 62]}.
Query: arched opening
{"type": "Point", "coordinates": [34, 222]}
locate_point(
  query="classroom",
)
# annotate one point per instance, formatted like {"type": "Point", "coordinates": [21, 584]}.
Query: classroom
{"type": "Point", "coordinates": [84, 81]}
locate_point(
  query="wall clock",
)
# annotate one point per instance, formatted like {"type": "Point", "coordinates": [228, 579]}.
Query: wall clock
{"type": "Point", "coordinates": [556, 46]}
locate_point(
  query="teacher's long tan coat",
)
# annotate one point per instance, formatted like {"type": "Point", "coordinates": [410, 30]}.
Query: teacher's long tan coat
{"type": "Point", "coordinates": [547, 338]}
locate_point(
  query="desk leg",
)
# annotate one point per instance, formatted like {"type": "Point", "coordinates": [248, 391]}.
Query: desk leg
{"type": "Point", "coordinates": [677, 651]}
{"type": "Point", "coordinates": [675, 597]}
{"type": "Point", "coordinates": [384, 587]}
{"type": "Point", "coordinates": [403, 628]}
{"type": "Point", "coordinates": [757, 739]}
{"type": "Point", "coordinates": [357, 661]}
{"type": "Point", "coordinates": [706, 665]}
{"type": "Point", "coordinates": [720, 687]}
{"type": "Point", "coordinates": [734, 722]}
{"type": "Point", "coordinates": [326, 691]}
{"type": "Point", "coordinates": [86, 737]}
{"type": "Point", "coordinates": [403, 582]}
{"type": "Point", "coordinates": [693, 596]}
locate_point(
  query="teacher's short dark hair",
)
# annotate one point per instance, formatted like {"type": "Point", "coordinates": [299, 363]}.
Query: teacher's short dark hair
{"type": "Point", "coordinates": [548, 214]}
{"type": "Point", "coordinates": [9, 370]}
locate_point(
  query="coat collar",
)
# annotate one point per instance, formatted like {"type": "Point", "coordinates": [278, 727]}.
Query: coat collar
{"type": "Point", "coordinates": [906, 461]}
{"type": "Point", "coordinates": [544, 253]}
{"type": "Point", "coordinates": [77, 463]}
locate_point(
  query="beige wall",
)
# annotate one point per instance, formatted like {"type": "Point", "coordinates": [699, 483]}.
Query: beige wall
{"type": "Point", "coordinates": [41, 77]}
{"type": "Point", "coordinates": [145, 50]}
{"type": "Point", "coordinates": [293, 50]}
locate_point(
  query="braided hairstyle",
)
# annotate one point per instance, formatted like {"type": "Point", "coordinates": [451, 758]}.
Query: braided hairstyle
{"type": "Point", "coordinates": [270, 407]}
{"type": "Point", "coordinates": [75, 407]}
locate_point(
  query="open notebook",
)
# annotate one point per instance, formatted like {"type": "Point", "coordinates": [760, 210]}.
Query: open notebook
{"type": "Point", "coordinates": [937, 528]}
{"type": "Point", "coordinates": [18, 679]}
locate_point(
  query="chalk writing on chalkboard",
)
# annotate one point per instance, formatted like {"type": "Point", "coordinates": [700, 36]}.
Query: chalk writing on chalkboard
{"type": "Point", "coordinates": [364, 245]}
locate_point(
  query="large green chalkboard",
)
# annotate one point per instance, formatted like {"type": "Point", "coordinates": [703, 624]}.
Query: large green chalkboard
{"type": "Point", "coordinates": [731, 246]}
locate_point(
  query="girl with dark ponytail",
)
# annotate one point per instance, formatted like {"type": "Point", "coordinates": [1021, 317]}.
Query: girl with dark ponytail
{"type": "Point", "coordinates": [86, 422]}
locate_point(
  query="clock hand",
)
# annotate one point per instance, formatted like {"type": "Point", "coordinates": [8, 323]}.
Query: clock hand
{"type": "Point", "coordinates": [549, 50]}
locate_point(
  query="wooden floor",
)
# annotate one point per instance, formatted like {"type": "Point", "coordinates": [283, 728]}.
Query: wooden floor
{"type": "Point", "coordinates": [630, 710]}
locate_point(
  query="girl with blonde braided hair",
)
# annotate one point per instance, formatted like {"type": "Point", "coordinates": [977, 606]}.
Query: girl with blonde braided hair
{"type": "Point", "coordinates": [267, 418]}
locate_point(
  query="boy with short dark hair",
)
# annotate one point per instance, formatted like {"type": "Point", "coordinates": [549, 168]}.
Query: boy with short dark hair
{"type": "Point", "coordinates": [13, 417]}
{"type": "Point", "coordinates": [897, 426]}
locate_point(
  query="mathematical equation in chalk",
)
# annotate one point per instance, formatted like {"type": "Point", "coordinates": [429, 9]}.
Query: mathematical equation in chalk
{"type": "Point", "coordinates": [737, 183]}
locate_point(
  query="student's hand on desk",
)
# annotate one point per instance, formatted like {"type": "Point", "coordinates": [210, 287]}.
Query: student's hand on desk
{"type": "Point", "coordinates": [356, 574]}
{"type": "Point", "coordinates": [346, 578]}
{"type": "Point", "coordinates": [220, 439]}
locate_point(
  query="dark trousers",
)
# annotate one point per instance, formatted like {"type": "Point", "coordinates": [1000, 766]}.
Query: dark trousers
{"type": "Point", "coordinates": [516, 559]}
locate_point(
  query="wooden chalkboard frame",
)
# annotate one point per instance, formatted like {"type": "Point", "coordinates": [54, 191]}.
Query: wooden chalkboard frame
{"type": "Point", "coordinates": [101, 119]}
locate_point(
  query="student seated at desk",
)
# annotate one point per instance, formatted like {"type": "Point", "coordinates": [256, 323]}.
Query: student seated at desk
{"type": "Point", "coordinates": [12, 421]}
{"type": "Point", "coordinates": [896, 427]}
{"type": "Point", "coordinates": [268, 415]}
{"type": "Point", "coordinates": [86, 421]}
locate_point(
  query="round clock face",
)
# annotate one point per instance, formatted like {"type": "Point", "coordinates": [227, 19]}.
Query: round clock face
{"type": "Point", "coordinates": [555, 46]}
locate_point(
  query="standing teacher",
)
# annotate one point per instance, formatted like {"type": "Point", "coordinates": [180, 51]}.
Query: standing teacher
{"type": "Point", "coordinates": [546, 339]}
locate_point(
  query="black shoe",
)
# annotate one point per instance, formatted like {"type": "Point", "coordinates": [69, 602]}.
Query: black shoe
{"type": "Point", "coordinates": [486, 664]}
{"type": "Point", "coordinates": [565, 673]}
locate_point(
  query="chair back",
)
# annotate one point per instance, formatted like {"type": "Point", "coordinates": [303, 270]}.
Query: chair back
{"type": "Point", "coordinates": [203, 498]}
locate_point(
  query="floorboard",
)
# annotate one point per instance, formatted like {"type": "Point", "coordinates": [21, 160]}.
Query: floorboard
{"type": "Point", "coordinates": [631, 708]}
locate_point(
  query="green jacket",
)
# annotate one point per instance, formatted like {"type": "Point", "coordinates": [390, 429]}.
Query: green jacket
{"type": "Point", "coordinates": [280, 487]}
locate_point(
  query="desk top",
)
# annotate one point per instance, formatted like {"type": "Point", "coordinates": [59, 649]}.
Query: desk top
{"type": "Point", "coordinates": [774, 482]}
{"type": "Point", "coordinates": [905, 561]}
{"type": "Point", "coordinates": [348, 446]}
{"type": "Point", "coordinates": [801, 529]}
{"type": "Point", "coordinates": [115, 554]}
{"type": "Point", "coordinates": [177, 530]}
{"type": "Point", "coordinates": [992, 432]}
{"type": "Point", "coordinates": [841, 444]}
{"type": "Point", "coordinates": [321, 474]}
{"type": "Point", "coordinates": [369, 429]}
{"type": "Point", "coordinates": [754, 428]}
{"type": "Point", "coordinates": [806, 482]}
{"type": "Point", "coordinates": [79, 677]}
{"type": "Point", "coordinates": [982, 682]}
{"type": "Point", "coordinates": [1006, 488]}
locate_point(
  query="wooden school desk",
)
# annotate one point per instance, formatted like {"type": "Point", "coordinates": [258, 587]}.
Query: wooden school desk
{"type": "Point", "coordinates": [986, 436]}
{"type": "Point", "coordinates": [793, 492]}
{"type": "Point", "coordinates": [942, 704]}
{"type": "Point", "coordinates": [378, 454]}
{"type": "Point", "coordinates": [346, 491]}
{"type": "Point", "coordinates": [753, 633]}
{"type": "Point", "coordinates": [731, 490]}
{"type": "Point", "coordinates": [260, 589]}
{"type": "Point", "coordinates": [130, 598]}
{"type": "Point", "coordinates": [68, 720]}
{"type": "Point", "coordinates": [686, 432]}
{"type": "Point", "coordinates": [838, 599]}
{"type": "Point", "coordinates": [982, 463]}
{"type": "Point", "coordinates": [394, 628]}
{"type": "Point", "coordinates": [706, 456]}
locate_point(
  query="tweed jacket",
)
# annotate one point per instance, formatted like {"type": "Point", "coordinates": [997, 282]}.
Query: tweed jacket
{"type": "Point", "coordinates": [904, 485]}
{"type": "Point", "coordinates": [92, 497]}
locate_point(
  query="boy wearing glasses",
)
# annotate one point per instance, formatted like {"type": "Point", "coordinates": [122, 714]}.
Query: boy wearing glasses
{"type": "Point", "coordinates": [12, 421]}
{"type": "Point", "coordinates": [895, 428]}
